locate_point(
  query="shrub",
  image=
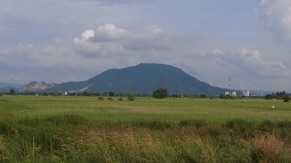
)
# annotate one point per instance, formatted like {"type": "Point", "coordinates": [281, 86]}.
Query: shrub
{"type": "Point", "coordinates": [130, 97]}
{"type": "Point", "coordinates": [100, 98]}
{"type": "Point", "coordinates": [286, 99]}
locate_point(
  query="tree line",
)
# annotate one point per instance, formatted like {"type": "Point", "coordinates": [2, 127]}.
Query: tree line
{"type": "Point", "coordinates": [279, 95]}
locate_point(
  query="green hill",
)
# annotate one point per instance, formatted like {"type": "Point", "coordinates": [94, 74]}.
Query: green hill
{"type": "Point", "coordinates": [143, 78]}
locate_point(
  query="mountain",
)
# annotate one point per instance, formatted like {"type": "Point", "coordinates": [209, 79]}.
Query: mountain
{"type": "Point", "coordinates": [143, 78]}
{"type": "Point", "coordinates": [36, 86]}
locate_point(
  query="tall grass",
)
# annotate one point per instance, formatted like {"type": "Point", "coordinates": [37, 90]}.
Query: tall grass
{"type": "Point", "coordinates": [76, 140]}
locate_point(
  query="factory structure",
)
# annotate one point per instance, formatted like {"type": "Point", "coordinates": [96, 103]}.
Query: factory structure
{"type": "Point", "coordinates": [233, 93]}
{"type": "Point", "coordinates": [246, 93]}
{"type": "Point", "coordinates": [230, 93]}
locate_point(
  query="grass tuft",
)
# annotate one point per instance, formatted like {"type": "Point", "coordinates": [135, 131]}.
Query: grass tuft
{"type": "Point", "coordinates": [266, 148]}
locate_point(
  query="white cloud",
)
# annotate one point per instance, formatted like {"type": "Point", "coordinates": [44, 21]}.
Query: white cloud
{"type": "Point", "coordinates": [108, 40]}
{"type": "Point", "coordinates": [249, 61]}
{"type": "Point", "coordinates": [85, 36]}
{"type": "Point", "coordinates": [254, 59]}
{"type": "Point", "coordinates": [277, 16]}
{"type": "Point", "coordinates": [109, 32]}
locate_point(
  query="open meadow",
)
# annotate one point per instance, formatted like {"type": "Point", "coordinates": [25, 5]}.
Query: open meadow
{"type": "Point", "coordinates": [85, 129]}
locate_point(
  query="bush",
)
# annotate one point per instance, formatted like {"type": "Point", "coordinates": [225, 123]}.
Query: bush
{"type": "Point", "coordinates": [286, 99]}
{"type": "Point", "coordinates": [131, 97]}
{"type": "Point", "coordinates": [100, 98]}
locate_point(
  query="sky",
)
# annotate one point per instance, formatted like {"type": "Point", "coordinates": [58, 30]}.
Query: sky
{"type": "Point", "coordinates": [58, 41]}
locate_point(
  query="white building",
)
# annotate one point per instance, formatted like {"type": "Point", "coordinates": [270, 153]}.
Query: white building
{"type": "Point", "coordinates": [229, 93]}
{"type": "Point", "coordinates": [246, 93]}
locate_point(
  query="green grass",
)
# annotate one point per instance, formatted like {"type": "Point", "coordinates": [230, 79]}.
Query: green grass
{"type": "Point", "coordinates": [84, 129]}
{"type": "Point", "coordinates": [212, 110]}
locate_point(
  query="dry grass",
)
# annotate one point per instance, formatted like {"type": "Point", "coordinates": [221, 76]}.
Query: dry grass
{"type": "Point", "coordinates": [187, 141]}
{"type": "Point", "coordinates": [266, 148]}
{"type": "Point", "coordinates": [207, 143]}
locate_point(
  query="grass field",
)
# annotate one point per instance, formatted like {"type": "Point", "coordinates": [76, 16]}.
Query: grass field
{"type": "Point", "coordinates": [85, 129]}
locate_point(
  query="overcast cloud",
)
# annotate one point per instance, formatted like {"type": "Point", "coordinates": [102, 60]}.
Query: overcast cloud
{"type": "Point", "coordinates": [73, 40]}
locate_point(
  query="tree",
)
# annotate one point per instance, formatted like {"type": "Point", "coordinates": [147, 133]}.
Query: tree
{"type": "Point", "coordinates": [12, 91]}
{"type": "Point", "coordinates": [202, 96]}
{"type": "Point", "coordinates": [111, 94]}
{"type": "Point", "coordinates": [277, 95]}
{"type": "Point", "coordinates": [160, 93]}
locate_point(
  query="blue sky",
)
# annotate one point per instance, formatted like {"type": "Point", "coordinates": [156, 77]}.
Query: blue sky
{"type": "Point", "coordinates": [212, 40]}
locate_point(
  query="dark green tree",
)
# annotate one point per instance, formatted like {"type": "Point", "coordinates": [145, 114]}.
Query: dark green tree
{"type": "Point", "coordinates": [160, 93]}
{"type": "Point", "coordinates": [202, 96]}
{"type": "Point", "coordinates": [277, 95]}
{"type": "Point", "coordinates": [12, 91]}
{"type": "Point", "coordinates": [111, 94]}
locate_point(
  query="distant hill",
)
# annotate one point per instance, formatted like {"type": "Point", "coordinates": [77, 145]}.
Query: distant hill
{"type": "Point", "coordinates": [36, 86]}
{"type": "Point", "coordinates": [5, 87]}
{"type": "Point", "coordinates": [143, 78]}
